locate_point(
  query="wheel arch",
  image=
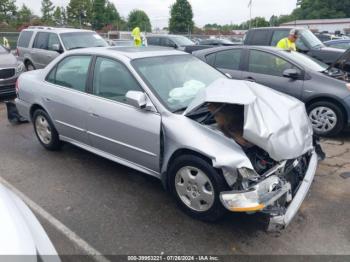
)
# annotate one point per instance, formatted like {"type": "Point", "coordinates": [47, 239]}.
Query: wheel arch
{"type": "Point", "coordinates": [33, 108]}
{"type": "Point", "coordinates": [177, 153]}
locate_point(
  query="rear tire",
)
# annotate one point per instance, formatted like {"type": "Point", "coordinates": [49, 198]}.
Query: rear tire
{"type": "Point", "coordinates": [196, 187]}
{"type": "Point", "coordinates": [45, 131]}
{"type": "Point", "coordinates": [327, 118]}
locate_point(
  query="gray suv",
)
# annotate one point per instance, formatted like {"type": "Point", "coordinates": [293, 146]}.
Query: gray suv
{"type": "Point", "coordinates": [37, 46]}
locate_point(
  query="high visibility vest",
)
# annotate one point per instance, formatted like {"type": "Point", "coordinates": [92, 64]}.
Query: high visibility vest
{"type": "Point", "coordinates": [5, 42]}
{"type": "Point", "coordinates": [285, 43]}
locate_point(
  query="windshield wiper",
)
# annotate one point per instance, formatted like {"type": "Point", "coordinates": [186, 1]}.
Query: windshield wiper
{"type": "Point", "coordinates": [76, 47]}
{"type": "Point", "coordinates": [180, 110]}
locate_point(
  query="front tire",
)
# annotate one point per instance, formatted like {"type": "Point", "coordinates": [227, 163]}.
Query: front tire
{"type": "Point", "coordinates": [45, 131]}
{"type": "Point", "coordinates": [196, 187]}
{"type": "Point", "coordinates": [327, 118]}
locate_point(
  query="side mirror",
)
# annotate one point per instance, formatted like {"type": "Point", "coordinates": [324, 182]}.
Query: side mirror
{"type": "Point", "coordinates": [140, 100]}
{"type": "Point", "coordinates": [291, 73]}
{"type": "Point", "coordinates": [57, 48]}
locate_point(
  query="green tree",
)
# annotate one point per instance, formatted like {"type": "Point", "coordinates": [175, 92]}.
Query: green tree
{"type": "Point", "coordinates": [47, 9]}
{"type": "Point", "coordinates": [7, 10]}
{"type": "Point", "coordinates": [98, 19]}
{"type": "Point", "coordinates": [111, 15]}
{"type": "Point", "coordinates": [79, 13]}
{"type": "Point", "coordinates": [24, 15]}
{"type": "Point", "coordinates": [181, 17]}
{"type": "Point", "coordinates": [139, 18]}
{"type": "Point", "coordinates": [321, 9]}
{"type": "Point", "coordinates": [57, 16]}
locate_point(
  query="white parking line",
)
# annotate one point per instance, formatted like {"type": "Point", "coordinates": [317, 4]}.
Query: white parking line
{"type": "Point", "coordinates": [82, 244]}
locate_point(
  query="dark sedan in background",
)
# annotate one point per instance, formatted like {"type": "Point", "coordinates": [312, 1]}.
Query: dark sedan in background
{"type": "Point", "coordinates": [324, 89]}
{"type": "Point", "coordinates": [339, 43]}
{"type": "Point", "coordinates": [217, 42]}
{"type": "Point", "coordinates": [10, 69]}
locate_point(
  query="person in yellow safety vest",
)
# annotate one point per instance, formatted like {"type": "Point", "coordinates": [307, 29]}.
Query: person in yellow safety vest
{"type": "Point", "coordinates": [6, 42]}
{"type": "Point", "coordinates": [288, 43]}
{"type": "Point", "coordinates": [136, 33]}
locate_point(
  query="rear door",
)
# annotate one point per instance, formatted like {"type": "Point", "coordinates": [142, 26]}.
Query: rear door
{"type": "Point", "coordinates": [227, 61]}
{"type": "Point", "coordinates": [66, 96]}
{"type": "Point", "coordinates": [267, 69]}
{"type": "Point", "coordinates": [114, 126]}
{"type": "Point", "coordinates": [23, 42]}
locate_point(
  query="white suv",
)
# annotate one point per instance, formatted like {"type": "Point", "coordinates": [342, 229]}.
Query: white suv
{"type": "Point", "coordinates": [37, 46]}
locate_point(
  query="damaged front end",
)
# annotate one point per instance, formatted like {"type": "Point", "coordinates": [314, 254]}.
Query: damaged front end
{"type": "Point", "coordinates": [278, 192]}
{"type": "Point", "coordinates": [274, 132]}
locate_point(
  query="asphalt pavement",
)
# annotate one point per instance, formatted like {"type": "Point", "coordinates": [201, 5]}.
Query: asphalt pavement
{"type": "Point", "coordinates": [121, 211]}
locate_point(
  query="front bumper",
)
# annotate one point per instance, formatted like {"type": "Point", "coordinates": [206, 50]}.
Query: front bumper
{"type": "Point", "coordinates": [264, 194]}
{"type": "Point", "coordinates": [7, 86]}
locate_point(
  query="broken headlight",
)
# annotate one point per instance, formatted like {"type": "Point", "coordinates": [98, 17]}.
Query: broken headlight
{"type": "Point", "coordinates": [248, 174]}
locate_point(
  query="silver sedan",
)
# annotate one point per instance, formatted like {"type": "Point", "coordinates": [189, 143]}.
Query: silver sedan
{"type": "Point", "coordinates": [216, 144]}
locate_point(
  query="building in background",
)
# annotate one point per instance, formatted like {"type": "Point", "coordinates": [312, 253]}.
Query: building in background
{"type": "Point", "coordinates": [341, 25]}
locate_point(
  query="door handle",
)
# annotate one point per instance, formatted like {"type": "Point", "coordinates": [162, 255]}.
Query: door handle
{"type": "Point", "coordinates": [250, 79]}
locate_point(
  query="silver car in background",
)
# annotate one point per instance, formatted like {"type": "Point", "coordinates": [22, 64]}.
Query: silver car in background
{"type": "Point", "coordinates": [10, 69]}
{"type": "Point", "coordinates": [37, 46]}
{"type": "Point", "coordinates": [217, 144]}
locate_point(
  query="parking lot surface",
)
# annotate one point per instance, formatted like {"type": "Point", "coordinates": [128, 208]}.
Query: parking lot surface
{"type": "Point", "coordinates": [120, 211]}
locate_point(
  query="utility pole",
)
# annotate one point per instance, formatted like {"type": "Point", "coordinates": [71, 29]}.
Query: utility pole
{"type": "Point", "coordinates": [250, 13]}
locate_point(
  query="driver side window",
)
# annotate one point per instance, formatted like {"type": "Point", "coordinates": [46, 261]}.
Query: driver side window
{"type": "Point", "coordinates": [267, 64]}
{"type": "Point", "coordinates": [112, 80]}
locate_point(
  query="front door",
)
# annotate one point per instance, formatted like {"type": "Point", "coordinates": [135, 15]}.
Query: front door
{"type": "Point", "coordinates": [267, 69]}
{"type": "Point", "coordinates": [115, 127]}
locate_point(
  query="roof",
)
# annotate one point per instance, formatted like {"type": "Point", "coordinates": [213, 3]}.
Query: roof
{"type": "Point", "coordinates": [319, 21]}
{"type": "Point", "coordinates": [55, 29]}
{"type": "Point", "coordinates": [222, 48]}
{"type": "Point", "coordinates": [131, 52]}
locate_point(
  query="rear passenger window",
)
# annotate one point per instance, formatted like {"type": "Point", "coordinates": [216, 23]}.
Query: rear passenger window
{"type": "Point", "coordinates": [260, 37]}
{"type": "Point", "coordinates": [228, 59]}
{"type": "Point", "coordinates": [71, 72]}
{"type": "Point", "coordinates": [112, 80]}
{"type": "Point", "coordinates": [41, 40]}
{"type": "Point", "coordinates": [24, 38]}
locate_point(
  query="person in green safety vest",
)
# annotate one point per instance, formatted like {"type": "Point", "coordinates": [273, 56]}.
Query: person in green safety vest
{"type": "Point", "coordinates": [288, 43]}
{"type": "Point", "coordinates": [136, 33]}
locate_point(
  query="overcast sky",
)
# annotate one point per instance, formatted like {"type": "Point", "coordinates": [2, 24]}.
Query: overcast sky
{"type": "Point", "coordinates": [205, 11]}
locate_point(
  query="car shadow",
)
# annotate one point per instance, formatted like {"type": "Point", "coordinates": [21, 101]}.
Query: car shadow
{"type": "Point", "coordinates": [151, 188]}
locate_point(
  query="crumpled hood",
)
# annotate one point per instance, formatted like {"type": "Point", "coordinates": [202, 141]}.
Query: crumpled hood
{"type": "Point", "coordinates": [273, 121]}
